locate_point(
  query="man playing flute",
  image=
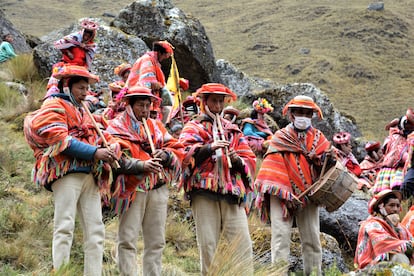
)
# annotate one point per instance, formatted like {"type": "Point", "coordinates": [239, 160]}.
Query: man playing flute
{"type": "Point", "coordinates": [151, 160]}
{"type": "Point", "coordinates": [218, 176]}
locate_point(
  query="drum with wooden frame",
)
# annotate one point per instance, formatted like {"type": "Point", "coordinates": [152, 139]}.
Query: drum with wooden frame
{"type": "Point", "coordinates": [333, 188]}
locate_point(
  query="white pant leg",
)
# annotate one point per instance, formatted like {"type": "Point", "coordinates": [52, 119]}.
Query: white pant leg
{"type": "Point", "coordinates": [66, 192]}
{"type": "Point", "coordinates": [308, 224]}
{"type": "Point", "coordinates": [90, 216]}
{"type": "Point", "coordinates": [207, 218]}
{"type": "Point", "coordinates": [128, 232]}
{"type": "Point", "coordinates": [153, 230]}
{"type": "Point", "coordinates": [281, 231]}
{"type": "Point", "coordinates": [235, 226]}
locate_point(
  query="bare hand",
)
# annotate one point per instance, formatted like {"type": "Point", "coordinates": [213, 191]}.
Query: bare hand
{"type": "Point", "coordinates": [219, 144]}
{"type": "Point", "coordinates": [105, 154]}
{"type": "Point", "coordinates": [234, 157]}
{"type": "Point", "coordinates": [153, 165]}
{"type": "Point", "coordinates": [161, 155]}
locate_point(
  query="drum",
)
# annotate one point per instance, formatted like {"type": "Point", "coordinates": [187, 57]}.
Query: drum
{"type": "Point", "coordinates": [333, 188]}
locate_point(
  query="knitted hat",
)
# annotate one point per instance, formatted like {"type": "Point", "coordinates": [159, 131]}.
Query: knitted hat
{"type": "Point", "coordinates": [166, 45]}
{"type": "Point", "coordinates": [377, 199]}
{"type": "Point", "coordinates": [261, 105]}
{"type": "Point", "coordinates": [69, 71]}
{"type": "Point", "coordinates": [89, 25]}
{"type": "Point", "coordinates": [184, 84]}
{"type": "Point", "coordinates": [342, 138]}
{"type": "Point", "coordinates": [302, 102]}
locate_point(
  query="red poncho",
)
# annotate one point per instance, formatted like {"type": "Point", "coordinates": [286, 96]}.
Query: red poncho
{"type": "Point", "coordinates": [376, 239]}
{"type": "Point", "coordinates": [131, 135]}
{"type": "Point", "coordinates": [214, 173]}
{"type": "Point", "coordinates": [286, 169]}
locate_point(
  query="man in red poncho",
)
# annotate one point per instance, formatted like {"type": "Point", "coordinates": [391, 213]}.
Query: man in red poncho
{"type": "Point", "coordinates": [147, 72]}
{"type": "Point", "coordinates": [218, 177]}
{"type": "Point", "coordinates": [381, 236]}
{"type": "Point", "coordinates": [290, 166]}
{"type": "Point", "coordinates": [140, 190]}
{"type": "Point", "coordinates": [73, 163]}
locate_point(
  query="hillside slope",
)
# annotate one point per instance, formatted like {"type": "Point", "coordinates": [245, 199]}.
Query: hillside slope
{"type": "Point", "coordinates": [362, 59]}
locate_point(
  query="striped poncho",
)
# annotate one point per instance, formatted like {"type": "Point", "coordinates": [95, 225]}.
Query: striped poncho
{"type": "Point", "coordinates": [377, 239]}
{"type": "Point", "coordinates": [214, 173]}
{"type": "Point", "coordinates": [288, 166]}
{"type": "Point", "coordinates": [51, 130]}
{"type": "Point", "coordinates": [131, 135]}
{"type": "Point", "coordinates": [145, 71]}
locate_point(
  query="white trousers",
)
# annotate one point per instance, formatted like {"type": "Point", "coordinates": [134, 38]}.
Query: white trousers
{"type": "Point", "coordinates": [147, 213]}
{"type": "Point", "coordinates": [307, 220]}
{"type": "Point", "coordinates": [77, 193]}
{"type": "Point", "coordinates": [216, 218]}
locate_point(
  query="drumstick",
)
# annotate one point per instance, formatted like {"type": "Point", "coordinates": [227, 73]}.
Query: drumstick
{"type": "Point", "coordinates": [220, 127]}
{"type": "Point", "coordinates": [144, 121]}
{"type": "Point", "coordinates": [305, 192]}
{"type": "Point", "coordinates": [98, 129]}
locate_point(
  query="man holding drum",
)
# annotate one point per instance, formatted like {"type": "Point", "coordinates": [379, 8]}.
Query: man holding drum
{"type": "Point", "coordinates": [290, 166]}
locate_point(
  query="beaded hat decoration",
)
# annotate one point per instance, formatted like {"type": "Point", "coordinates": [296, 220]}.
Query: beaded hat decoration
{"type": "Point", "coordinates": [261, 105]}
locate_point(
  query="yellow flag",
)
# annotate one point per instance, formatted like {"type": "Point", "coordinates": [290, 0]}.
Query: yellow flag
{"type": "Point", "coordinates": [173, 84]}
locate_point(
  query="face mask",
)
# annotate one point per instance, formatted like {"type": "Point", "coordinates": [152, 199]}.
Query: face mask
{"type": "Point", "coordinates": [302, 123]}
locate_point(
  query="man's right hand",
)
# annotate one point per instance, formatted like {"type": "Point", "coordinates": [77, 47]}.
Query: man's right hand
{"type": "Point", "coordinates": [153, 165]}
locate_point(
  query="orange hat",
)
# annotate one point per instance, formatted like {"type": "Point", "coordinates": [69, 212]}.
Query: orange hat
{"type": "Point", "coordinates": [120, 69]}
{"type": "Point", "coordinates": [372, 146]}
{"type": "Point", "coordinates": [302, 102]}
{"type": "Point", "coordinates": [140, 91]}
{"type": "Point", "coordinates": [215, 88]}
{"type": "Point", "coordinates": [166, 45]}
{"type": "Point", "coordinates": [342, 138]}
{"type": "Point", "coordinates": [89, 25]}
{"type": "Point", "coordinates": [115, 87]}
{"type": "Point", "coordinates": [69, 71]}
{"type": "Point", "coordinates": [377, 199]}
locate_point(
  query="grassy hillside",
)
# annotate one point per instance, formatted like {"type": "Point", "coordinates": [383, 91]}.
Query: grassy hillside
{"type": "Point", "coordinates": [361, 59]}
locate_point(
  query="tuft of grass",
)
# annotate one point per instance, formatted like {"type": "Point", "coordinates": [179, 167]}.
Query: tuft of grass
{"type": "Point", "coordinates": [22, 68]}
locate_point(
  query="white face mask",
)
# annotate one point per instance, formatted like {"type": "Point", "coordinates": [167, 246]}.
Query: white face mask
{"type": "Point", "coordinates": [302, 123]}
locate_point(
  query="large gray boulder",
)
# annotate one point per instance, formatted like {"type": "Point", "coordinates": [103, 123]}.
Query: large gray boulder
{"type": "Point", "coordinates": [248, 89]}
{"type": "Point", "coordinates": [161, 20]}
{"type": "Point", "coordinates": [343, 224]}
{"type": "Point", "coordinates": [20, 44]}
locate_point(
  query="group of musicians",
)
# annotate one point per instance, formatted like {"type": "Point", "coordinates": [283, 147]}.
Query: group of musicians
{"type": "Point", "coordinates": [128, 163]}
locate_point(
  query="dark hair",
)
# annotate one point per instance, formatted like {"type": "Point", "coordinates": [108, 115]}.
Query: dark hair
{"type": "Point", "coordinates": [132, 100]}
{"type": "Point", "coordinates": [385, 200]}
{"type": "Point", "coordinates": [253, 115]}
{"type": "Point", "coordinates": [158, 48]}
{"type": "Point", "coordinates": [5, 36]}
{"type": "Point", "coordinates": [71, 81]}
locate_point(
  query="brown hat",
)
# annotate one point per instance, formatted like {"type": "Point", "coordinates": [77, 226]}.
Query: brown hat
{"type": "Point", "coordinates": [378, 198]}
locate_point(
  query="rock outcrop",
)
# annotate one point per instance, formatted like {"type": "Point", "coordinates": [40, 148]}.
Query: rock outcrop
{"type": "Point", "coordinates": [6, 27]}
